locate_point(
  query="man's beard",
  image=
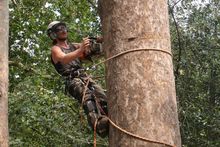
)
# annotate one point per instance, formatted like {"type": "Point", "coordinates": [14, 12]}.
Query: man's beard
{"type": "Point", "coordinates": [62, 39]}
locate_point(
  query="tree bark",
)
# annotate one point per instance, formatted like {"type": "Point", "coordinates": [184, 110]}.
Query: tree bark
{"type": "Point", "coordinates": [4, 26]}
{"type": "Point", "coordinates": [140, 85]}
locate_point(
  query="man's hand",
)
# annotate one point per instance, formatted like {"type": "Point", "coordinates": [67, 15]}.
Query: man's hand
{"type": "Point", "coordinates": [85, 47]}
{"type": "Point", "coordinates": [99, 39]}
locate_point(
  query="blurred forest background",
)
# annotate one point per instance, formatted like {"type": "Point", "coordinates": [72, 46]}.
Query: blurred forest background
{"type": "Point", "coordinates": [40, 114]}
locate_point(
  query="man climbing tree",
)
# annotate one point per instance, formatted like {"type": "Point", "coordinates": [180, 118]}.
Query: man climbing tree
{"type": "Point", "coordinates": [140, 81]}
{"type": "Point", "coordinates": [66, 58]}
{"type": "Point", "coordinates": [4, 73]}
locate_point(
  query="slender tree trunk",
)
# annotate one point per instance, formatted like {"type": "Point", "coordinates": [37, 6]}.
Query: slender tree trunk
{"type": "Point", "coordinates": [4, 73]}
{"type": "Point", "coordinates": [140, 85]}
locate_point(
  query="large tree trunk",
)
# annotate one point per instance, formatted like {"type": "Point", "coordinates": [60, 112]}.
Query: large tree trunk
{"type": "Point", "coordinates": [140, 85]}
{"type": "Point", "coordinates": [4, 73]}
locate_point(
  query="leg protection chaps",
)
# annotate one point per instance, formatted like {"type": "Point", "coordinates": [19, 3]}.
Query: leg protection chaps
{"type": "Point", "coordinates": [94, 104]}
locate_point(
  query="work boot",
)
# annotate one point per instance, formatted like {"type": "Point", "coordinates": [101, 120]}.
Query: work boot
{"type": "Point", "coordinates": [91, 110]}
{"type": "Point", "coordinates": [102, 126]}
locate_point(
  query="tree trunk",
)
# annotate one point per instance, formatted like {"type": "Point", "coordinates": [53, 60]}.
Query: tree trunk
{"type": "Point", "coordinates": [141, 89]}
{"type": "Point", "coordinates": [4, 73]}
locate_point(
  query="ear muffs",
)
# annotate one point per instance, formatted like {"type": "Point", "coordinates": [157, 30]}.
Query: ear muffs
{"type": "Point", "coordinates": [52, 34]}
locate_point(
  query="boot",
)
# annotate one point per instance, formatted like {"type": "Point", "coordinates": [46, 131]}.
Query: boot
{"type": "Point", "coordinates": [102, 126]}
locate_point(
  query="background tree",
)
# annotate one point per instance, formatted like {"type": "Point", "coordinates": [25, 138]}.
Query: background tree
{"type": "Point", "coordinates": [4, 24]}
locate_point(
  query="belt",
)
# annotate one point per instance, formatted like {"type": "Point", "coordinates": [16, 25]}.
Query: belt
{"type": "Point", "coordinates": [74, 73]}
{"type": "Point", "coordinates": [78, 73]}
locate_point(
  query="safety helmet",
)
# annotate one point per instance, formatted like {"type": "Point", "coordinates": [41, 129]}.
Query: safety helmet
{"type": "Point", "coordinates": [51, 29]}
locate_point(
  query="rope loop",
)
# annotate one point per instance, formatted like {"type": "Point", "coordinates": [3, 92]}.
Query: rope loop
{"type": "Point", "coordinates": [133, 50]}
{"type": "Point", "coordinates": [137, 136]}
{"type": "Point", "coordinates": [94, 141]}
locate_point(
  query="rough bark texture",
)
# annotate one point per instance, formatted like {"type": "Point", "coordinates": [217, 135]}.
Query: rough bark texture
{"type": "Point", "coordinates": [3, 73]}
{"type": "Point", "coordinates": [140, 85]}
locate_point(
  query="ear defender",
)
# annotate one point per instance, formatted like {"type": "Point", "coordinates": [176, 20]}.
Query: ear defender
{"type": "Point", "coordinates": [52, 34]}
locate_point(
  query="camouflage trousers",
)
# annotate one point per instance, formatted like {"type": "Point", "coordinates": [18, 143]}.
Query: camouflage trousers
{"type": "Point", "coordinates": [76, 87]}
{"type": "Point", "coordinates": [93, 98]}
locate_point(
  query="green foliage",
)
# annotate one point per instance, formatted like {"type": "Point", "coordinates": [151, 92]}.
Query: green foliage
{"type": "Point", "coordinates": [41, 117]}
{"type": "Point", "coordinates": [197, 58]}
{"type": "Point", "coordinates": [40, 114]}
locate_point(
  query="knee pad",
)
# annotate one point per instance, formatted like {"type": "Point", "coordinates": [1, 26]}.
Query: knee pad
{"type": "Point", "coordinates": [89, 106]}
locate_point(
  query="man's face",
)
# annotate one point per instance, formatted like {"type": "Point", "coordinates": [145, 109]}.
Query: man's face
{"type": "Point", "coordinates": [61, 32]}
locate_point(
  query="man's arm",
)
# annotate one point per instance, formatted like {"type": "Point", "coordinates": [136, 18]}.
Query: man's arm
{"type": "Point", "coordinates": [77, 45]}
{"type": "Point", "coordinates": [59, 56]}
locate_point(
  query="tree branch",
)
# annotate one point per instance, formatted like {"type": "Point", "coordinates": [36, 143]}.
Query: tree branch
{"type": "Point", "coordinates": [175, 4]}
{"type": "Point", "coordinates": [179, 41]}
{"type": "Point", "coordinates": [92, 4]}
{"type": "Point", "coordinates": [14, 2]}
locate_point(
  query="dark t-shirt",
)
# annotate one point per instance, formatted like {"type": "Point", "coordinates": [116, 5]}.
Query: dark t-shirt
{"type": "Point", "coordinates": [66, 69]}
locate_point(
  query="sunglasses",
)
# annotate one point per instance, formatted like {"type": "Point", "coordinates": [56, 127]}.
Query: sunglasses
{"type": "Point", "coordinates": [60, 29]}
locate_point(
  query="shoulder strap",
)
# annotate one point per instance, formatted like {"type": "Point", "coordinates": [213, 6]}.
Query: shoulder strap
{"type": "Point", "coordinates": [60, 47]}
{"type": "Point", "coordinates": [72, 47]}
